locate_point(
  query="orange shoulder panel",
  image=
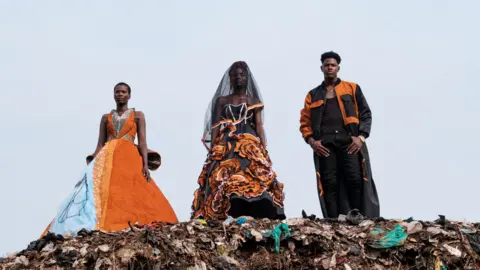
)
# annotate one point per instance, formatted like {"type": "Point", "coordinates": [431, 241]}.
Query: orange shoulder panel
{"type": "Point", "coordinates": [305, 118]}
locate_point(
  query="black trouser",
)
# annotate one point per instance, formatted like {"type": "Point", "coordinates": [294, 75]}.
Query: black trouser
{"type": "Point", "coordinates": [340, 166]}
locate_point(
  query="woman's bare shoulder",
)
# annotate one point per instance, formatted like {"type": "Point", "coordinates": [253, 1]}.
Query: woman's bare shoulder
{"type": "Point", "coordinates": [222, 99]}
{"type": "Point", "coordinates": [139, 115]}
{"type": "Point", "coordinates": [254, 101]}
{"type": "Point", "coordinates": [105, 117]}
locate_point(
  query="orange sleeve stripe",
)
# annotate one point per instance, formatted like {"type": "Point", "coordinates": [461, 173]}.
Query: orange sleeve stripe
{"type": "Point", "coordinates": [316, 104]}
{"type": "Point", "coordinates": [354, 94]}
{"type": "Point", "coordinates": [305, 118]}
{"type": "Point", "coordinates": [350, 120]}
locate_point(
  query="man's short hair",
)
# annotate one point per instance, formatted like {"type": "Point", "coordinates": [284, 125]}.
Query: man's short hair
{"type": "Point", "coordinates": [331, 54]}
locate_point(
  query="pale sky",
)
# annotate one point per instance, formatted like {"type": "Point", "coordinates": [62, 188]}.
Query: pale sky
{"type": "Point", "coordinates": [416, 62]}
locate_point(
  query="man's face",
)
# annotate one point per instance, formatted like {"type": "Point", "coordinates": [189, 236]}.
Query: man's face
{"type": "Point", "coordinates": [330, 68]}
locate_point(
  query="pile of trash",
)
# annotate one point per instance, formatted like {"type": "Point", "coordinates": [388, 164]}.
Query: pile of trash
{"type": "Point", "coordinates": [347, 243]}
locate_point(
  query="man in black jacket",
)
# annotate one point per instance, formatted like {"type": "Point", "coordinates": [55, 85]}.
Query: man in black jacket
{"type": "Point", "coordinates": [335, 121]}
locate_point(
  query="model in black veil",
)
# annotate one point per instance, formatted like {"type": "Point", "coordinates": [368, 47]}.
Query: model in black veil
{"type": "Point", "coordinates": [237, 178]}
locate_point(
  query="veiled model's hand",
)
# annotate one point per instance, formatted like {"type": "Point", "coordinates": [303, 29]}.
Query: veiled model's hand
{"type": "Point", "coordinates": [146, 173]}
{"type": "Point", "coordinates": [355, 146]}
{"type": "Point", "coordinates": [319, 148]}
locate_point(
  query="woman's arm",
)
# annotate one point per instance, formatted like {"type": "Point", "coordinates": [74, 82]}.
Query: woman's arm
{"type": "Point", "coordinates": [259, 125]}
{"type": "Point", "coordinates": [258, 120]}
{"type": "Point", "coordinates": [142, 143]}
{"type": "Point", "coordinates": [218, 113]}
{"type": "Point", "coordinates": [102, 136]}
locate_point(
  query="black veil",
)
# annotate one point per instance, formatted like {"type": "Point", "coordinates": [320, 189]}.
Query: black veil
{"type": "Point", "coordinates": [225, 89]}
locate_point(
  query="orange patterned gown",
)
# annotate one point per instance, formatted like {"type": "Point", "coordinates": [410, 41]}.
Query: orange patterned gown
{"type": "Point", "coordinates": [237, 178]}
{"type": "Point", "coordinates": [112, 190]}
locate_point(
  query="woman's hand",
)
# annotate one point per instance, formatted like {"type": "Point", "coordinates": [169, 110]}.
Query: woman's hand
{"type": "Point", "coordinates": [146, 173]}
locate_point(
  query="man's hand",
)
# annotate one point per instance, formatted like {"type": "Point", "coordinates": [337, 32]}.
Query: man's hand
{"type": "Point", "coordinates": [319, 148]}
{"type": "Point", "coordinates": [146, 173]}
{"type": "Point", "coordinates": [355, 146]}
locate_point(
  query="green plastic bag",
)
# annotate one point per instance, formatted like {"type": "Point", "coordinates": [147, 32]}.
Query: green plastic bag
{"type": "Point", "coordinates": [277, 233]}
{"type": "Point", "coordinates": [393, 238]}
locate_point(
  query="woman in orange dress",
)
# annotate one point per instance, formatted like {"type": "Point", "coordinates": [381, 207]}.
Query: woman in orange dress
{"type": "Point", "coordinates": [116, 188]}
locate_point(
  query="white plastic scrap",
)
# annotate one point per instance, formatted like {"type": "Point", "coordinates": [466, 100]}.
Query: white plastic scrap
{"type": "Point", "coordinates": [453, 251]}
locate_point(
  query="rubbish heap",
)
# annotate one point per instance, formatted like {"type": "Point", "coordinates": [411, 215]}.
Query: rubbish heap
{"type": "Point", "coordinates": [246, 243]}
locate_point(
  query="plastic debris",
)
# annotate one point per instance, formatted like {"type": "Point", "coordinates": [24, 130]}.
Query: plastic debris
{"type": "Point", "coordinates": [414, 227]}
{"type": "Point", "coordinates": [297, 243]}
{"type": "Point", "coordinates": [241, 220]}
{"type": "Point", "coordinates": [393, 238]}
{"type": "Point", "coordinates": [228, 221]}
{"type": "Point", "coordinates": [104, 248]}
{"type": "Point", "coordinates": [22, 260]}
{"type": "Point", "coordinates": [354, 217]}
{"type": "Point", "coordinates": [258, 236]}
{"type": "Point", "coordinates": [474, 240]}
{"type": "Point", "coordinates": [310, 217]}
{"type": "Point", "coordinates": [200, 222]}
{"type": "Point", "coordinates": [453, 251]}
{"type": "Point", "coordinates": [277, 233]}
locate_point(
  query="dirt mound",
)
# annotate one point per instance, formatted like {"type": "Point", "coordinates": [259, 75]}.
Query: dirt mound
{"type": "Point", "coordinates": [244, 243]}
